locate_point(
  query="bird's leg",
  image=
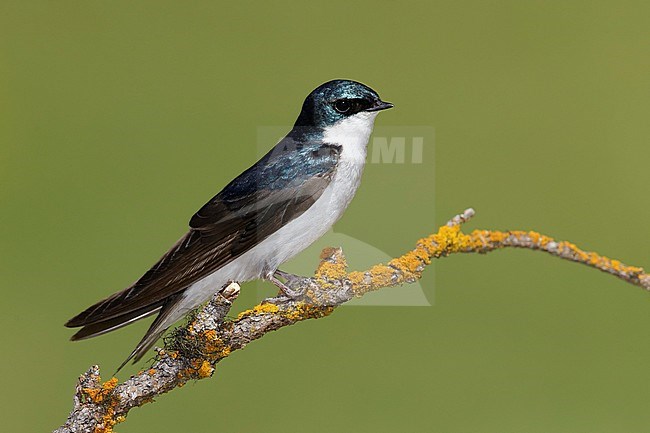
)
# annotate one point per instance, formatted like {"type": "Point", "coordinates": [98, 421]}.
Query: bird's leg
{"type": "Point", "coordinates": [291, 280]}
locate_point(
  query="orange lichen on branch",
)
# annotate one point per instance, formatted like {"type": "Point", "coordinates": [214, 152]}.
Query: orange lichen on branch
{"type": "Point", "coordinates": [481, 241]}
{"type": "Point", "coordinates": [409, 267]}
{"type": "Point", "coordinates": [100, 393]}
{"type": "Point", "coordinates": [450, 240]}
{"type": "Point", "coordinates": [108, 421]}
{"type": "Point", "coordinates": [333, 265]}
{"type": "Point", "coordinates": [537, 238]}
{"type": "Point", "coordinates": [103, 396]}
{"type": "Point", "coordinates": [378, 275]}
{"type": "Point", "coordinates": [260, 309]}
{"type": "Point", "coordinates": [487, 240]}
{"type": "Point", "coordinates": [304, 311]}
{"type": "Point", "coordinates": [633, 274]}
{"type": "Point", "coordinates": [214, 346]}
{"type": "Point", "coordinates": [197, 369]}
{"type": "Point", "coordinates": [205, 369]}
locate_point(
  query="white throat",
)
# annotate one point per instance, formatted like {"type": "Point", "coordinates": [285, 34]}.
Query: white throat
{"type": "Point", "coordinates": [352, 134]}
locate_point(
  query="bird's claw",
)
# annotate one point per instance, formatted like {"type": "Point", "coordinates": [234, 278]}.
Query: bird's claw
{"type": "Point", "coordinates": [293, 288]}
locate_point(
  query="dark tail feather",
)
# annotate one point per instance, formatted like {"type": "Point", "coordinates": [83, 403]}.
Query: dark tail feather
{"type": "Point", "coordinates": [99, 328]}
{"type": "Point", "coordinates": [168, 315]}
{"type": "Point", "coordinates": [98, 311]}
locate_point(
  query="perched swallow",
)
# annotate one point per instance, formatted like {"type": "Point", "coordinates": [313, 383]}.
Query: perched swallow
{"type": "Point", "coordinates": [264, 217]}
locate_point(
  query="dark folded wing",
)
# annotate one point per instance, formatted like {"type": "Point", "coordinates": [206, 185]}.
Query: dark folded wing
{"type": "Point", "coordinates": [283, 185]}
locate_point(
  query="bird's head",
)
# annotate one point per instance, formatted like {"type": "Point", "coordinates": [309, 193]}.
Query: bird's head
{"type": "Point", "coordinates": [337, 100]}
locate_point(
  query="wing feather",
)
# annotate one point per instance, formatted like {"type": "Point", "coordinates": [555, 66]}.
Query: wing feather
{"type": "Point", "coordinates": [256, 204]}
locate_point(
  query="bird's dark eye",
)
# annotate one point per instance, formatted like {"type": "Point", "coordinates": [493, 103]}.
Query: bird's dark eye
{"type": "Point", "coordinates": [342, 105]}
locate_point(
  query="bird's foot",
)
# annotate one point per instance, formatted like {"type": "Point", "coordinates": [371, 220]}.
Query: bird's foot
{"type": "Point", "coordinates": [293, 286]}
{"type": "Point", "coordinates": [291, 279]}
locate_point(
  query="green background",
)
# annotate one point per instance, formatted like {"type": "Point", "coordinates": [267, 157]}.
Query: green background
{"type": "Point", "coordinates": [119, 119]}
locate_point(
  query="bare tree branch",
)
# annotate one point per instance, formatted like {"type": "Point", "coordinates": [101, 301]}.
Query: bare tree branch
{"type": "Point", "coordinates": [192, 351]}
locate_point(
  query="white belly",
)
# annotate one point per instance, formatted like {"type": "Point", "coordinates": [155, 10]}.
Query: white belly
{"type": "Point", "coordinates": [301, 232]}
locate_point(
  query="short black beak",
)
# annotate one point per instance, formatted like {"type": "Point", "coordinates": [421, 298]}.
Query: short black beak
{"type": "Point", "coordinates": [380, 105]}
